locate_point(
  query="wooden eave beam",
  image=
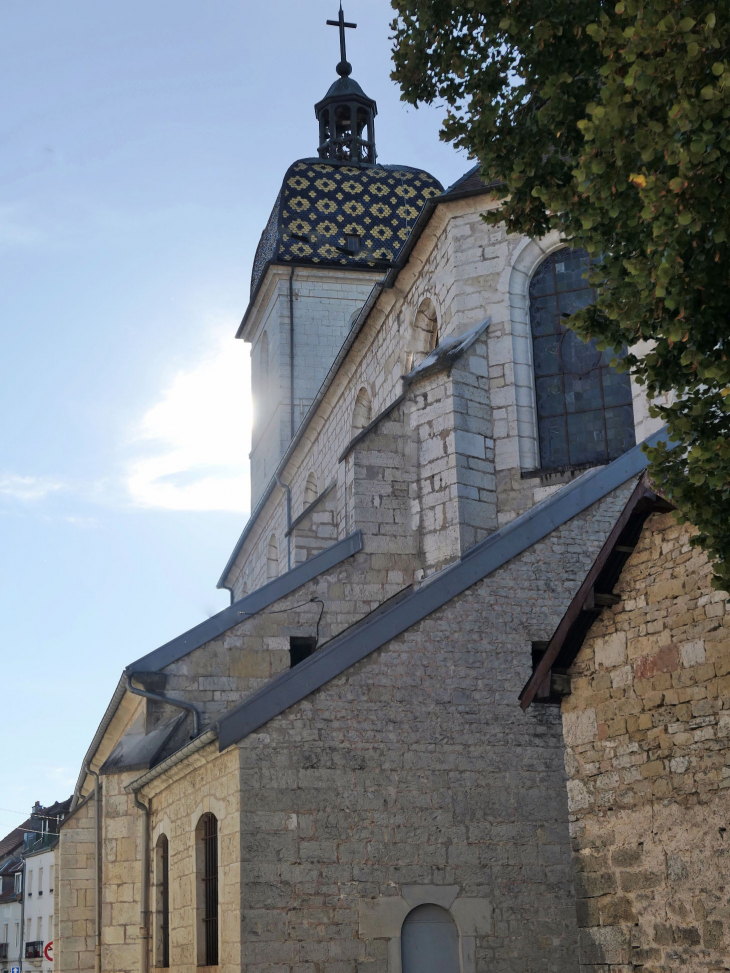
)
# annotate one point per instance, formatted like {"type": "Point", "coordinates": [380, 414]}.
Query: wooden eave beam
{"type": "Point", "coordinates": [586, 598]}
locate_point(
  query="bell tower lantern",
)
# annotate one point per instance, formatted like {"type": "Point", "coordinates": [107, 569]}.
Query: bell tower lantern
{"type": "Point", "coordinates": [346, 115]}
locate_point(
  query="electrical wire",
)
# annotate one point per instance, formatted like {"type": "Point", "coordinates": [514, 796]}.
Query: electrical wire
{"type": "Point", "coordinates": [280, 611]}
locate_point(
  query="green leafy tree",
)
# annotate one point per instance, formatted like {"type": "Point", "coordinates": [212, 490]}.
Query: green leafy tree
{"type": "Point", "coordinates": [610, 123]}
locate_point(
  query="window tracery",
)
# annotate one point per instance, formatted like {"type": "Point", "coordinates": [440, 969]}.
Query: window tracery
{"type": "Point", "coordinates": [584, 407]}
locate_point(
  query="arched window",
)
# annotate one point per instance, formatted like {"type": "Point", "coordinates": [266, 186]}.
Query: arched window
{"type": "Point", "coordinates": [362, 413]}
{"type": "Point", "coordinates": [584, 409]}
{"type": "Point", "coordinates": [425, 331]}
{"type": "Point", "coordinates": [272, 559]}
{"type": "Point", "coordinates": [429, 941]}
{"type": "Point", "coordinates": [206, 849]}
{"type": "Point", "coordinates": [162, 902]}
{"type": "Point", "coordinates": [311, 490]}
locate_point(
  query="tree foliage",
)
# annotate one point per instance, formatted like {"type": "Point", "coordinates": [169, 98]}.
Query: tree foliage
{"type": "Point", "coordinates": [609, 122]}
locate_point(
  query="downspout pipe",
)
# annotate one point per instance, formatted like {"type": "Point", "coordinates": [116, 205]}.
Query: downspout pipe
{"type": "Point", "coordinates": [285, 486]}
{"type": "Point", "coordinates": [291, 354]}
{"type": "Point", "coordinates": [21, 938]}
{"type": "Point", "coordinates": [97, 866]}
{"type": "Point", "coordinates": [181, 704]}
{"type": "Point", "coordinates": [144, 899]}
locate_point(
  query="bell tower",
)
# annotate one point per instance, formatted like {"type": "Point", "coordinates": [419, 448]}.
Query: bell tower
{"type": "Point", "coordinates": [346, 115]}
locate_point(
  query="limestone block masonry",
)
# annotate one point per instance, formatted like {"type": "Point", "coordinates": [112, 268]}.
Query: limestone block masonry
{"type": "Point", "coordinates": [647, 733]}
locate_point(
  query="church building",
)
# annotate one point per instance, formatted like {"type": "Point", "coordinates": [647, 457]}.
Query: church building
{"type": "Point", "coordinates": [471, 693]}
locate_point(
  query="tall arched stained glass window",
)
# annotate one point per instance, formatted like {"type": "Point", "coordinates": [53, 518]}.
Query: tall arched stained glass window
{"type": "Point", "coordinates": [584, 406]}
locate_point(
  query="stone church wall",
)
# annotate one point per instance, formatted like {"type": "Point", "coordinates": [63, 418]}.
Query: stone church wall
{"type": "Point", "coordinates": [209, 782]}
{"type": "Point", "coordinates": [415, 776]}
{"type": "Point", "coordinates": [74, 906]}
{"type": "Point", "coordinates": [647, 730]}
{"type": "Point", "coordinates": [467, 271]}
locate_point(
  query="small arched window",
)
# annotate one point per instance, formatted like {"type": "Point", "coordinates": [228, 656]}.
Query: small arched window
{"type": "Point", "coordinates": [362, 413]}
{"type": "Point", "coordinates": [425, 331]}
{"type": "Point", "coordinates": [584, 410]}
{"type": "Point", "coordinates": [206, 848]}
{"type": "Point", "coordinates": [429, 941]}
{"type": "Point", "coordinates": [162, 902]}
{"type": "Point", "coordinates": [272, 559]}
{"type": "Point", "coordinates": [311, 490]}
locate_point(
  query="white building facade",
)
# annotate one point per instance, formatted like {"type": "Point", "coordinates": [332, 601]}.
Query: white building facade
{"type": "Point", "coordinates": [38, 910]}
{"type": "Point", "coordinates": [11, 908]}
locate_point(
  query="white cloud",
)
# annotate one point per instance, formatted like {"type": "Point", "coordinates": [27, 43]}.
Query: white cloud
{"type": "Point", "coordinates": [197, 436]}
{"type": "Point", "coordinates": [28, 488]}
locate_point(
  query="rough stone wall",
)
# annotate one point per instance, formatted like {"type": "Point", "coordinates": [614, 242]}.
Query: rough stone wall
{"type": "Point", "coordinates": [453, 498]}
{"type": "Point", "coordinates": [415, 776]}
{"type": "Point", "coordinates": [647, 730]}
{"type": "Point", "coordinates": [74, 902]}
{"type": "Point", "coordinates": [206, 783]}
{"type": "Point", "coordinates": [224, 671]}
{"type": "Point", "coordinates": [374, 487]}
{"type": "Point", "coordinates": [121, 874]}
{"type": "Point", "coordinates": [317, 530]}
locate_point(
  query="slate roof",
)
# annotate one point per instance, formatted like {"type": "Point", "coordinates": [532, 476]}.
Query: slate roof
{"type": "Point", "coordinates": [14, 839]}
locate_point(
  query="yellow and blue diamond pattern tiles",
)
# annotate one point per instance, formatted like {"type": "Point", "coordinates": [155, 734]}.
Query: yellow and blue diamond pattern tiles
{"type": "Point", "coordinates": [338, 214]}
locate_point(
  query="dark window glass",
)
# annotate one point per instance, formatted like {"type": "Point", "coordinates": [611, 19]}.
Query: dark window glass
{"type": "Point", "coordinates": [210, 886]}
{"type": "Point", "coordinates": [300, 649]}
{"type": "Point", "coordinates": [584, 406]}
{"type": "Point", "coordinates": [164, 901]}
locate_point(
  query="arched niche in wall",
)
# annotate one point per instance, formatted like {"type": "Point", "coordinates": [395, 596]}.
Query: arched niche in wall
{"type": "Point", "coordinates": [272, 559]}
{"type": "Point", "coordinates": [429, 941]}
{"type": "Point", "coordinates": [311, 490]}
{"type": "Point", "coordinates": [424, 333]}
{"type": "Point", "coordinates": [362, 412]}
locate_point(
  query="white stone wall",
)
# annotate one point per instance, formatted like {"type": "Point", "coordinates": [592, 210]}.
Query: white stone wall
{"type": "Point", "coordinates": [324, 301]}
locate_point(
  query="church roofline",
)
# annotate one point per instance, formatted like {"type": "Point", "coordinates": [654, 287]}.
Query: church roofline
{"type": "Point", "coordinates": [452, 194]}
{"type": "Point", "coordinates": [211, 628]}
{"type": "Point", "coordinates": [248, 605]}
{"type": "Point", "coordinates": [371, 633]}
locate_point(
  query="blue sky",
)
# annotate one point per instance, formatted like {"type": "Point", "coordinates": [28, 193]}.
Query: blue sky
{"type": "Point", "coordinates": [141, 149]}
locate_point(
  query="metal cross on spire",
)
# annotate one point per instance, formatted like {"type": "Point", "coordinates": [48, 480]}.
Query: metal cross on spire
{"type": "Point", "coordinates": [344, 68]}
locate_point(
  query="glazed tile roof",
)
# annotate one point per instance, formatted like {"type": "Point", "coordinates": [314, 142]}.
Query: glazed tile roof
{"type": "Point", "coordinates": [322, 202]}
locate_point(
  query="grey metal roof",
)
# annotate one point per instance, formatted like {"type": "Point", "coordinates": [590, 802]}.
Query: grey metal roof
{"type": "Point", "coordinates": [383, 625]}
{"type": "Point", "coordinates": [139, 751]}
{"type": "Point", "coordinates": [261, 598]}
